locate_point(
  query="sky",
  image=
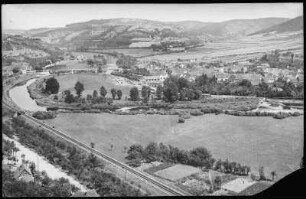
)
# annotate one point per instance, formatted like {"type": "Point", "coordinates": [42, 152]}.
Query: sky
{"type": "Point", "coordinates": [29, 16]}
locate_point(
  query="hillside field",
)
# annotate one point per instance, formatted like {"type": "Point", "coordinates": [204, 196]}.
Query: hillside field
{"type": "Point", "coordinates": [250, 46]}
{"type": "Point", "coordinates": [254, 141]}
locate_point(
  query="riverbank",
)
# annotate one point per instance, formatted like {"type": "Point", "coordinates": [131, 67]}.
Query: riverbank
{"type": "Point", "coordinates": [232, 105]}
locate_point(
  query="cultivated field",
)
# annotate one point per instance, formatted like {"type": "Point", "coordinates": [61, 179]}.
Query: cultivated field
{"type": "Point", "coordinates": [177, 172]}
{"type": "Point", "coordinates": [135, 52]}
{"type": "Point", "coordinates": [255, 141]}
{"type": "Point", "coordinates": [242, 48]}
{"type": "Point", "coordinates": [91, 82]}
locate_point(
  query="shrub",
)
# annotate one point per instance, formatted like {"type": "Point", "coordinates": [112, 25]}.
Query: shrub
{"type": "Point", "coordinates": [181, 120]}
{"type": "Point", "coordinates": [279, 116]}
{"type": "Point", "coordinates": [196, 112]}
{"type": "Point", "coordinates": [185, 115]}
{"type": "Point", "coordinates": [134, 163]}
{"type": "Point", "coordinates": [43, 115]}
{"type": "Point", "coordinates": [296, 114]}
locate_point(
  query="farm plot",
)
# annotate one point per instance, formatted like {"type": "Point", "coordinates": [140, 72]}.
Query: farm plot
{"type": "Point", "coordinates": [177, 172]}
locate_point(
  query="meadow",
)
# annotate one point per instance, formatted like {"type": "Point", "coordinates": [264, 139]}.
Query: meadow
{"type": "Point", "coordinates": [254, 141]}
{"type": "Point", "coordinates": [91, 82]}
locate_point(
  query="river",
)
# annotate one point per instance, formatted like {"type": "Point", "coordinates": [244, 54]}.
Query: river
{"type": "Point", "coordinates": [21, 97]}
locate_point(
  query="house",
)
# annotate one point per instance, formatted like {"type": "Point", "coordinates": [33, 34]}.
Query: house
{"type": "Point", "coordinates": [88, 193]}
{"type": "Point", "coordinates": [221, 77]}
{"type": "Point", "coordinates": [23, 173]}
{"type": "Point", "coordinates": [270, 78]}
{"type": "Point", "coordinates": [156, 80]}
{"type": "Point", "coordinates": [237, 68]}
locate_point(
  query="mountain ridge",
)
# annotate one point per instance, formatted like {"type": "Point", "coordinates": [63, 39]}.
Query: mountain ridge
{"type": "Point", "coordinates": [122, 32]}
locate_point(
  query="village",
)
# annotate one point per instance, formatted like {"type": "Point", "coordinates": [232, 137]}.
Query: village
{"type": "Point", "coordinates": [117, 106]}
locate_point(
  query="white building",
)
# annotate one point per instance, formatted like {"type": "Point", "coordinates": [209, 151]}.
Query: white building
{"type": "Point", "coordinates": [154, 81]}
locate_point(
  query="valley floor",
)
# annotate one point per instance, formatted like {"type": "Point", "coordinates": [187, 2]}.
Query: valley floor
{"type": "Point", "coordinates": [254, 141]}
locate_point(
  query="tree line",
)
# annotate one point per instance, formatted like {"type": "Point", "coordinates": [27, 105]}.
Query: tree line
{"type": "Point", "coordinates": [197, 157]}
{"type": "Point", "coordinates": [180, 89]}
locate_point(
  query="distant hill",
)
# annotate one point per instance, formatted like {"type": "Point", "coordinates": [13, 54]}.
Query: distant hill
{"type": "Point", "coordinates": [124, 32]}
{"type": "Point", "coordinates": [16, 48]}
{"type": "Point", "coordinates": [295, 24]}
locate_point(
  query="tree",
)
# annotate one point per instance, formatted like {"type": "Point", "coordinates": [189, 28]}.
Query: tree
{"type": "Point", "coordinates": [52, 85]}
{"type": "Point", "coordinates": [273, 174]}
{"type": "Point", "coordinates": [261, 173]}
{"type": "Point", "coordinates": [16, 70]}
{"type": "Point", "coordinates": [159, 91]}
{"type": "Point", "coordinates": [126, 62]}
{"type": "Point", "coordinates": [79, 88]}
{"type": "Point", "coordinates": [90, 62]}
{"type": "Point", "coordinates": [89, 97]}
{"type": "Point", "coordinates": [200, 156]}
{"type": "Point", "coordinates": [103, 91]}
{"type": "Point", "coordinates": [119, 94]}
{"type": "Point", "coordinates": [68, 96]}
{"type": "Point", "coordinates": [245, 82]}
{"type": "Point", "coordinates": [248, 170]}
{"type": "Point", "coordinates": [135, 151]}
{"type": "Point", "coordinates": [182, 83]}
{"type": "Point", "coordinates": [99, 69]}
{"type": "Point", "coordinates": [32, 167]}
{"type": "Point", "coordinates": [94, 94]}
{"type": "Point", "coordinates": [217, 183]}
{"type": "Point", "coordinates": [134, 94]}
{"type": "Point", "coordinates": [114, 93]}
{"type": "Point", "coordinates": [170, 90]}
{"type": "Point", "coordinates": [145, 93]}
{"type": "Point", "coordinates": [201, 80]}
{"type": "Point", "coordinates": [151, 151]}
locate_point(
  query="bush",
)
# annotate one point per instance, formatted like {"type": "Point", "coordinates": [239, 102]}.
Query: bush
{"type": "Point", "coordinates": [279, 116]}
{"type": "Point", "coordinates": [43, 115]}
{"type": "Point", "coordinates": [196, 112]}
{"type": "Point", "coordinates": [185, 115]}
{"type": "Point", "coordinates": [181, 120]}
{"type": "Point", "coordinates": [134, 163]}
{"type": "Point", "coordinates": [296, 114]}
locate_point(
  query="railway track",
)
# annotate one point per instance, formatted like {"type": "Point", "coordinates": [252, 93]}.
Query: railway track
{"type": "Point", "coordinates": [144, 177]}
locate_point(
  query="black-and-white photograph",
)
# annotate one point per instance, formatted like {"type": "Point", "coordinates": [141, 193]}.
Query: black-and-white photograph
{"type": "Point", "coordinates": [117, 100]}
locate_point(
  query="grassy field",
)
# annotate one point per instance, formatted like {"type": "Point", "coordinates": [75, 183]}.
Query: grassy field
{"type": "Point", "coordinates": [91, 82]}
{"type": "Point", "coordinates": [255, 141]}
{"type": "Point", "coordinates": [177, 172]}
